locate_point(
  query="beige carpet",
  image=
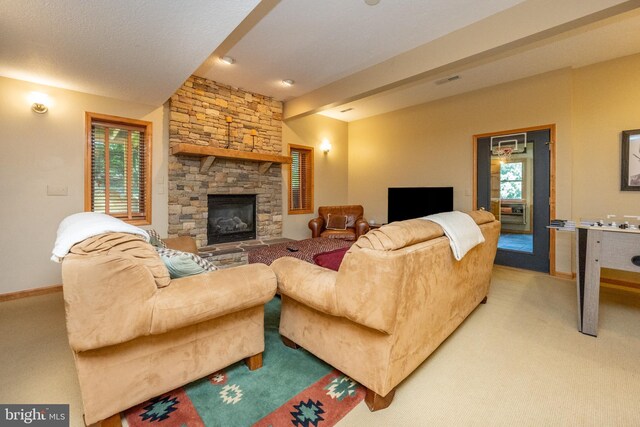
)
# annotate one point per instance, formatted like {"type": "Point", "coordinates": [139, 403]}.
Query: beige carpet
{"type": "Point", "coordinates": [36, 364]}
{"type": "Point", "coordinates": [518, 360]}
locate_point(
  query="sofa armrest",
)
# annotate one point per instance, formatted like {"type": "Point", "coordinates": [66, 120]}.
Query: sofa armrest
{"type": "Point", "coordinates": [108, 299]}
{"type": "Point", "coordinates": [362, 226]}
{"type": "Point", "coordinates": [316, 225]}
{"type": "Point", "coordinates": [307, 283]}
{"type": "Point", "coordinates": [194, 299]}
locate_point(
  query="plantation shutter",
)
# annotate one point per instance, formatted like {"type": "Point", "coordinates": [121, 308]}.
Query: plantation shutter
{"type": "Point", "coordinates": [301, 176]}
{"type": "Point", "coordinates": [118, 170]}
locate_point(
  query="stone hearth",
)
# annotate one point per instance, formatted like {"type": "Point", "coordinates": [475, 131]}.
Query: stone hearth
{"type": "Point", "coordinates": [227, 255]}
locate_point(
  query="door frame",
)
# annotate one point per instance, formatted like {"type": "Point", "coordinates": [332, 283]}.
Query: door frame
{"type": "Point", "coordinates": [552, 179]}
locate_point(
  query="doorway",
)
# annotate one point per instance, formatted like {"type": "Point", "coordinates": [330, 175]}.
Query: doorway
{"type": "Point", "coordinates": [513, 180]}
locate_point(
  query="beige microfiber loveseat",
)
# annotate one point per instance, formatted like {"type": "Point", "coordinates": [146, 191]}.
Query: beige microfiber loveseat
{"type": "Point", "coordinates": [136, 334]}
{"type": "Point", "coordinates": [398, 294]}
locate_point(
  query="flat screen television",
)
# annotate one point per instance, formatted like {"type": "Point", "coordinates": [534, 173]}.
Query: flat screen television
{"type": "Point", "coordinates": [416, 202]}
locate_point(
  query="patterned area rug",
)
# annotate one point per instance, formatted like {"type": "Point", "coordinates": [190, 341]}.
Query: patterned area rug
{"type": "Point", "coordinates": [293, 388]}
{"type": "Point", "coordinates": [306, 249]}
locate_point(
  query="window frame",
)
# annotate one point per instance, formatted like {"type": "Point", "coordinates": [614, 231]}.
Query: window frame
{"type": "Point", "coordinates": [309, 179]}
{"type": "Point", "coordinates": [521, 181]}
{"type": "Point", "coordinates": [90, 118]}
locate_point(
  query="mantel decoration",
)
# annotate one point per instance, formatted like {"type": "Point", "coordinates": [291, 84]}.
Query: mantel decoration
{"type": "Point", "coordinates": [228, 119]}
{"type": "Point", "coordinates": [630, 162]}
{"type": "Point", "coordinates": [254, 133]}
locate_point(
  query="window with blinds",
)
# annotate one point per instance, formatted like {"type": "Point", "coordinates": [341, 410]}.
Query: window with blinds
{"type": "Point", "coordinates": [300, 179]}
{"type": "Point", "coordinates": [118, 167]}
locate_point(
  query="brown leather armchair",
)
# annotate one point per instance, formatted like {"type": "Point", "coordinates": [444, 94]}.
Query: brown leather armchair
{"type": "Point", "coordinates": [356, 225]}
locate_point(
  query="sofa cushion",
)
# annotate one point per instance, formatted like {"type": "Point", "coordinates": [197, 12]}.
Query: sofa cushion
{"type": "Point", "coordinates": [336, 222]}
{"type": "Point", "coordinates": [481, 216]}
{"type": "Point", "coordinates": [348, 234]}
{"type": "Point", "coordinates": [127, 245]}
{"type": "Point", "coordinates": [352, 212]}
{"type": "Point", "coordinates": [330, 259]}
{"type": "Point", "coordinates": [401, 234]}
{"type": "Point", "coordinates": [183, 264]}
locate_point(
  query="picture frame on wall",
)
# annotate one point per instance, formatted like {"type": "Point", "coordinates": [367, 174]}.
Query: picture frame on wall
{"type": "Point", "coordinates": [630, 162]}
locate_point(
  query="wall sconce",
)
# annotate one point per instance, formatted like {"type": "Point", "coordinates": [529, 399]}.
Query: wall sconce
{"type": "Point", "coordinates": [39, 102]}
{"type": "Point", "coordinates": [325, 147]}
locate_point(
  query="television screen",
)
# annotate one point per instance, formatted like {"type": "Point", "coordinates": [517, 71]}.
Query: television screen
{"type": "Point", "coordinates": [416, 202]}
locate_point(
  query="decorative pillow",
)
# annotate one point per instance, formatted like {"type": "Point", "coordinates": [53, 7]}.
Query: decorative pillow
{"type": "Point", "coordinates": [182, 264]}
{"type": "Point", "coordinates": [331, 259]}
{"type": "Point", "coordinates": [336, 222]}
{"type": "Point", "coordinates": [154, 238]}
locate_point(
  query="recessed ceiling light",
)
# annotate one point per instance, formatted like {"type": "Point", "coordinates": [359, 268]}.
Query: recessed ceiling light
{"type": "Point", "coordinates": [372, 2]}
{"type": "Point", "coordinates": [227, 60]}
{"type": "Point", "coordinates": [288, 82]}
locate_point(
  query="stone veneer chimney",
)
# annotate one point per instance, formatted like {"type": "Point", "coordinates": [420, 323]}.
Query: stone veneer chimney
{"type": "Point", "coordinates": [197, 116]}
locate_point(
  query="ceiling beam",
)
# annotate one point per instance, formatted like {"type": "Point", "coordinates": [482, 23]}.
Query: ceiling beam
{"type": "Point", "coordinates": [529, 22]}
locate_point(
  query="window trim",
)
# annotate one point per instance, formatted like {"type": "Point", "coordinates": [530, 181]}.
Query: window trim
{"type": "Point", "coordinates": [310, 183]}
{"type": "Point", "coordinates": [90, 118]}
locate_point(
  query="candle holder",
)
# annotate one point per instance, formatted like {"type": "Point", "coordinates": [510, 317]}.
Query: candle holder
{"type": "Point", "coordinates": [254, 133]}
{"type": "Point", "coordinates": [228, 119]}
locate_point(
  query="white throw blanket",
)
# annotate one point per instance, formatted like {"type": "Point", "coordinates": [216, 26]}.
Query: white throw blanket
{"type": "Point", "coordinates": [462, 231]}
{"type": "Point", "coordinates": [77, 227]}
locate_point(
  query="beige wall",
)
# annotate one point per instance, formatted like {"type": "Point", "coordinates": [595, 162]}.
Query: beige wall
{"type": "Point", "coordinates": [425, 145]}
{"type": "Point", "coordinates": [431, 144]}
{"type": "Point", "coordinates": [606, 102]}
{"type": "Point", "coordinates": [330, 170]}
{"type": "Point", "coordinates": [40, 150]}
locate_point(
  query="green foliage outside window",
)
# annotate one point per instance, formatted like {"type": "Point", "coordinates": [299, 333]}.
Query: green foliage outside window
{"type": "Point", "coordinates": [511, 180]}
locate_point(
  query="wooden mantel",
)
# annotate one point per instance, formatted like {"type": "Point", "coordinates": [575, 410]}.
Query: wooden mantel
{"type": "Point", "coordinates": [209, 154]}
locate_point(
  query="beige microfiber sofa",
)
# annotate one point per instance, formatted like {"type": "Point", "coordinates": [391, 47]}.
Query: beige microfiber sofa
{"type": "Point", "coordinates": [399, 293]}
{"type": "Point", "coordinates": [136, 334]}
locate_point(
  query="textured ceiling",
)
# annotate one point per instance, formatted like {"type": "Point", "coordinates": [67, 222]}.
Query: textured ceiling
{"type": "Point", "coordinates": [139, 50]}
{"type": "Point", "coordinates": [608, 39]}
{"type": "Point", "coordinates": [317, 42]}
{"type": "Point", "coordinates": [340, 53]}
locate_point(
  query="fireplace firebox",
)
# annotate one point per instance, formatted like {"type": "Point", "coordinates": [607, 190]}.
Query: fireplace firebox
{"type": "Point", "coordinates": [231, 218]}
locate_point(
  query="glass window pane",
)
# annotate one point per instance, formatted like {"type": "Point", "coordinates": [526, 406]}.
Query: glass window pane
{"type": "Point", "coordinates": [511, 171]}
{"type": "Point", "coordinates": [511, 190]}
{"type": "Point", "coordinates": [118, 171]}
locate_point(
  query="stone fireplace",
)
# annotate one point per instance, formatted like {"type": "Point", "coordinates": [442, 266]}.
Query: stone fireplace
{"type": "Point", "coordinates": [198, 115]}
{"type": "Point", "coordinates": [231, 218]}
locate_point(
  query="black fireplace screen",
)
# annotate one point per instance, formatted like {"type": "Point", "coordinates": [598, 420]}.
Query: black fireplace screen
{"type": "Point", "coordinates": [232, 217]}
